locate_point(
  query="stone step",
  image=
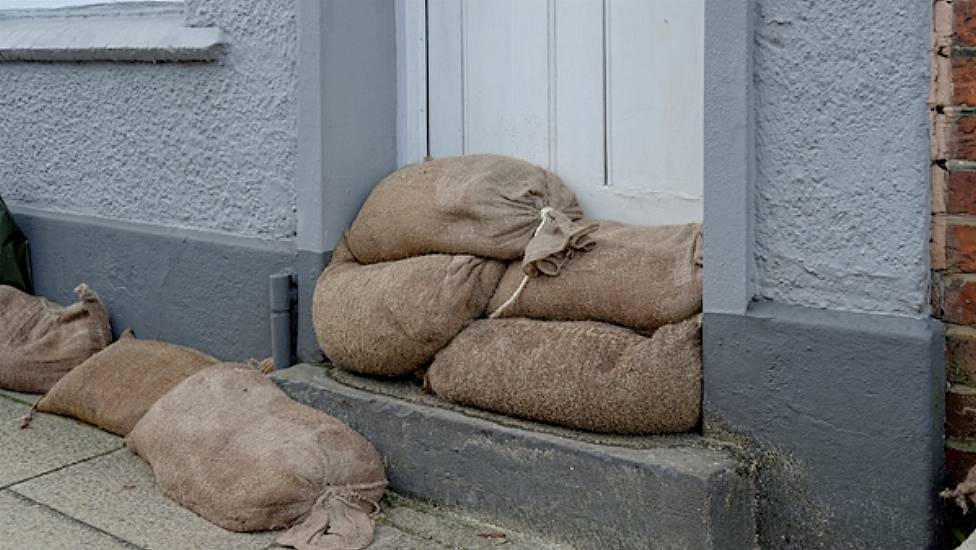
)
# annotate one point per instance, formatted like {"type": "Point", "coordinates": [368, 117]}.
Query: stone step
{"type": "Point", "coordinates": [583, 490]}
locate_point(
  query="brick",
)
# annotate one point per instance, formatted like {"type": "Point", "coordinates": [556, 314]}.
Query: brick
{"type": "Point", "coordinates": [963, 22]}
{"type": "Point", "coordinates": [954, 134]}
{"type": "Point", "coordinates": [961, 354]}
{"type": "Point", "coordinates": [960, 404]}
{"type": "Point", "coordinates": [960, 192]}
{"type": "Point", "coordinates": [963, 76]}
{"type": "Point", "coordinates": [960, 244]}
{"type": "Point", "coordinates": [939, 181]}
{"type": "Point", "coordinates": [959, 299]}
{"type": "Point", "coordinates": [937, 245]}
{"type": "Point", "coordinates": [940, 80]}
{"type": "Point", "coordinates": [960, 456]}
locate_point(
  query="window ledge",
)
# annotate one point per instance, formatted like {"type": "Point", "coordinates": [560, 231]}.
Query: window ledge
{"type": "Point", "coordinates": [143, 38]}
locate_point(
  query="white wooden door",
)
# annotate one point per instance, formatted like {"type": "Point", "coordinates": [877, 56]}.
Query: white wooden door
{"type": "Point", "coordinates": [606, 93]}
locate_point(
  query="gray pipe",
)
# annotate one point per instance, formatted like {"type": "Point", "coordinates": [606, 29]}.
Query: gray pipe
{"type": "Point", "coordinates": [280, 285]}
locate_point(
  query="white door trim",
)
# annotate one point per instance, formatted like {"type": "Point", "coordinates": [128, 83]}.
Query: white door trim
{"type": "Point", "coordinates": [411, 25]}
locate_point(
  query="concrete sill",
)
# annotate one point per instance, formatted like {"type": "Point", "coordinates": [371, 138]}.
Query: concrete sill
{"type": "Point", "coordinates": [147, 39]}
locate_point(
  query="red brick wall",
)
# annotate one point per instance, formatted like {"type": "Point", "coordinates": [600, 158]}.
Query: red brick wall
{"type": "Point", "coordinates": [953, 104]}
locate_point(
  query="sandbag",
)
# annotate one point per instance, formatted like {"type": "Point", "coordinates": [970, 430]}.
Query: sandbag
{"type": "Point", "coordinates": [579, 374]}
{"type": "Point", "coordinates": [637, 276]}
{"type": "Point", "coordinates": [390, 318]}
{"type": "Point", "coordinates": [483, 205]}
{"type": "Point", "coordinates": [41, 341]}
{"type": "Point", "coordinates": [233, 448]}
{"type": "Point", "coordinates": [114, 388]}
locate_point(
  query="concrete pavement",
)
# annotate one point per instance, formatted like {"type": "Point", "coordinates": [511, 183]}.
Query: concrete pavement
{"type": "Point", "coordinates": [65, 485]}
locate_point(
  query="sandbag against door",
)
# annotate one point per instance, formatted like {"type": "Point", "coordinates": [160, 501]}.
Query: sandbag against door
{"type": "Point", "coordinates": [483, 205]}
{"type": "Point", "coordinates": [228, 444]}
{"type": "Point", "coordinates": [637, 276]}
{"type": "Point", "coordinates": [41, 341]}
{"type": "Point", "coordinates": [579, 374]}
{"type": "Point", "coordinates": [390, 318]}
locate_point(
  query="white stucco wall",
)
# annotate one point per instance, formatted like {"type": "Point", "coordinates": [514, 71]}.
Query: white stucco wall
{"type": "Point", "coordinates": [207, 146]}
{"type": "Point", "coordinates": [842, 198]}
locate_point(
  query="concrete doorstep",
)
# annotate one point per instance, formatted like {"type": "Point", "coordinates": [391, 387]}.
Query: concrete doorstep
{"type": "Point", "coordinates": [65, 485]}
{"type": "Point", "coordinates": [586, 490]}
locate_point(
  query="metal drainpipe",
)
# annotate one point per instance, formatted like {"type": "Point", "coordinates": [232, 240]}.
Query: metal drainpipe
{"type": "Point", "coordinates": [280, 286]}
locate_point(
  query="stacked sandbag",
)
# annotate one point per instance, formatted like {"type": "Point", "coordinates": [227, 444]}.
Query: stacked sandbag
{"type": "Point", "coordinates": [582, 374]}
{"type": "Point", "coordinates": [423, 257]}
{"type": "Point", "coordinates": [390, 318]}
{"type": "Point", "coordinates": [483, 205]}
{"type": "Point", "coordinates": [114, 388]}
{"type": "Point", "coordinates": [614, 344]}
{"type": "Point", "coordinates": [41, 341]}
{"type": "Point", "coordinates": [636, 276]}
{"type": "Point", "coordinates": [232, 447]}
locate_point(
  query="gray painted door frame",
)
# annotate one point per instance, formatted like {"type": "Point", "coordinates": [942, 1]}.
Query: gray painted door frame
{"type": "Point", "coordinates": [729, 156]}
{"type": "Point", "coordinates": [347, 97]}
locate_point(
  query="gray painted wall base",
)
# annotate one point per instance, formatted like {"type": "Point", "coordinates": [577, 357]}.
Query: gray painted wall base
{"type": "Point", "coordinates": [592, 495]}
{"type": "Point", "coordinates": [199, 289]}
{"type": "Point", "coordinates": [849, 410]}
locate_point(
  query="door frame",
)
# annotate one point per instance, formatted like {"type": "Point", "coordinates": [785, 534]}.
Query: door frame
{"type": "Point", "coordinates": [411, 39]}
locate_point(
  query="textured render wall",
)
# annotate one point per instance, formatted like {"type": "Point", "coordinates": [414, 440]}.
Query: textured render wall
{"type": "Point", "coordinates": [198, 145]}
{"type": "Point", "coordinates": [842, 154]}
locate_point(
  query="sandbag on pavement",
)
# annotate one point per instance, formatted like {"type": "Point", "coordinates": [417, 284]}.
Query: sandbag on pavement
{"type": "Point", "coordinates": [579, 374]}
{"type": "Point", "coordinates": [483, 205]}
{"type": "Point", "coordinates": [232, 447]}
{"type": "Point", "coordinates": [390, 318]}
{"type": "Point", "coordinates": [637, 276]}
{"type": "Point", "coordinates": [114, 388]}
{"type": "Point", "coordinates": [41, 341]}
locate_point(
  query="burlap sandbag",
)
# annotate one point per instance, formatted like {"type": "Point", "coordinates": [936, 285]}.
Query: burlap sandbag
{"type": "Point", "coordinates": [579, 374]}
{"type": "Point", "coordinates": [483, 205]}
{"type": "Point", "coordinates": [41, 341]}
{"type": "Point", "coordinates": [114, 388]}
{"type": "Point", "coordinates": [637, 276]}
{"type": "Point", "coordinates": [232, 447]}
{"type": "Point", "coordinates": [390, 318]}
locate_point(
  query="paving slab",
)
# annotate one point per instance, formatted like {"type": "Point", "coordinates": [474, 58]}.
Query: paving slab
{"type": "Point", "coordinates": [453, 530]}
{"type": "Point", "coordinates": [26, 524]}
{"type": "Point", "coordinates": [50, 443]}
{"type": "Point", "coordinates": [29, 398]}
{"type": "Point", "coordinates": [117, 493]}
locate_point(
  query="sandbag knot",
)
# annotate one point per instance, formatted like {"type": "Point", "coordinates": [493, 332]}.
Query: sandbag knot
{"type": "Point", "coordinates": [548, 251]}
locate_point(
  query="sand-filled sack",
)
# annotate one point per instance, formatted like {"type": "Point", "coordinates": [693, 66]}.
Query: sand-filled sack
{"type": "Point", "coordinates": [579, 374]}
{"type": "Point", "coordinates": [390, 318]}
{"type": "Point", "coordinates": [229, 445]}
{"type": "Point", "coordinates": [637, 276]}
{"type": "Point", "coordinates": [41, 341]}
{"type": "Point", "coordinates": [482, 205]}
{"type": "Point", "coordinates": [114, 388]}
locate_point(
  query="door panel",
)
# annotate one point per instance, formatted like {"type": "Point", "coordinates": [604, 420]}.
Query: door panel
{"type": "Point", "coordinates": [607, 93]}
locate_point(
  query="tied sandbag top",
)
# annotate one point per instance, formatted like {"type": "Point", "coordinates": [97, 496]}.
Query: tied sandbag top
{"type": "Point", "coordinates": [483, 205]}
{"type": "Point", "coordinates": [41, 341]}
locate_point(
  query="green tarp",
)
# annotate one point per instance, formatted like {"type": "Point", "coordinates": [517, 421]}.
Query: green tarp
{"type": "Point", "coordinates": [15, 267]}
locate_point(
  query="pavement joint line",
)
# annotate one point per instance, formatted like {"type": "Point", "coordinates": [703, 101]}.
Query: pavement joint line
{"type": "Point", "coordinates": [12, 486]}
{"type": "Point", "coordinates": [73, 519]}
{"type": "Point", "coordinates": [15, 400]}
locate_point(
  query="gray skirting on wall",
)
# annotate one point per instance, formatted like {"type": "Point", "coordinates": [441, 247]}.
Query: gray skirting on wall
{"type": "Point", "coordinates": [200, 289]}
{"type": "Point", "coordinates": [847, 412]}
